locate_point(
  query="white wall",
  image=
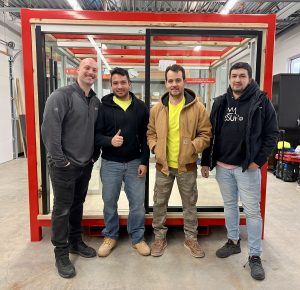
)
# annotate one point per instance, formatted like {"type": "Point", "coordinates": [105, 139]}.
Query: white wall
{"type": "Point", "coordinates": [287, 45]}
{"type": "Point", "coordinates": [6, 141]}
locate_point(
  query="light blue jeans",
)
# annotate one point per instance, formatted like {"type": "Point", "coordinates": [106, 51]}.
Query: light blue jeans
{"type": "Point", "coordinates": [235, 184]}
{"type": "Point", "coordinates": [112, 174]}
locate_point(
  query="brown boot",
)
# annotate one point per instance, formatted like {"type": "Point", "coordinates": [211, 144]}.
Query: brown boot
{"type": "Point", "coordinates": [158, 247]}
{"type": "Point", "coordinates": [194, 248]}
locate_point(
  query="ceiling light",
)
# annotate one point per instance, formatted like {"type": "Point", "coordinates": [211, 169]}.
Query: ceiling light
{"type": "Point", "coordinates": [91, 39]}
{"type": "Point", "coordinates": [197, 48]}
{"type": "Point", "coordinates": [74, 4]}
{"type": "Point", "coordinates": [228, 6]}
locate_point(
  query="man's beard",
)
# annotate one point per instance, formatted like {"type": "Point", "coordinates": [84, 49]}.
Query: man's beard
{"type": "Point", "coordinates": [176, 95]}
{"type": "Point", "coordinates": [238, 91]}
{"type": "Point", "coordinates": [122, 96]}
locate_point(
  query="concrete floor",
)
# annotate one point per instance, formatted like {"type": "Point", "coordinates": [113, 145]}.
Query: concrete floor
{"type": "Point", "coordinates": [27, 265]}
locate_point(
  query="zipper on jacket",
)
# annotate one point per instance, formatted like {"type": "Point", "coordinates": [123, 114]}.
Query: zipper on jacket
{"type": "Point", "coordinates": [250, 117]}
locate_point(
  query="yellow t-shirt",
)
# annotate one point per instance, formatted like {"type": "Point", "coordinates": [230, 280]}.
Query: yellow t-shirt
{"type": "Point", "coordinates": [123, 104]}
{"type": "Point", "coordinates": [173, 141]}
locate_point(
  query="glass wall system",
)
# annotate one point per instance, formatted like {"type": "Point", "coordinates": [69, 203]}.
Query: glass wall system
{"type": "Point", "coordinates": [206, 55]}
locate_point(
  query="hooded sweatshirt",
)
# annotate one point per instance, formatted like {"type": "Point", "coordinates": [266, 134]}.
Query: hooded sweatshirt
{"type": "Point", "coordinates": [133, 125]}
{"type": "Point", "coordinates": [231, 142]}
{"type": "Point", "coordinates": [258, 139]}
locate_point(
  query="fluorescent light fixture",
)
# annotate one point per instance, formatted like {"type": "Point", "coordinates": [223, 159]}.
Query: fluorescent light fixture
{"type": "Point", "coordinates": [74, 4]}
{"type": "Point", "coordinates": [91, 39]}
{"type": "Point", "coordinates": [228, 6]}
{"type": "Point", "coordinates": [103, 46]}
{"type": "Point", "coordinates": [197, 48]}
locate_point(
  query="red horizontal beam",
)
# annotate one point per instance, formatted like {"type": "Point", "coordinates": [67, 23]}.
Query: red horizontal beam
{"type": "Point", "coordinates": [145, 16]}
{"type": "Point", "coordinates": [158, 52]}
{"type": "Point", "coordinates": [197, 38]}
{"type": "Point", "coordinates": [200, 80]}
{"type": "Point", "coordinates": [104, 36]}
{"type": "Point", "coordinates": [156, 61]}
{"type": "Point", "coordinates": [155, 38]}
{"type": "Point", "coordinates": [148, 221]}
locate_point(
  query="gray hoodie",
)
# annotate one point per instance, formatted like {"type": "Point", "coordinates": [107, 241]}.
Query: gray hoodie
{"type": "Point", "coordinates": [68, 126]}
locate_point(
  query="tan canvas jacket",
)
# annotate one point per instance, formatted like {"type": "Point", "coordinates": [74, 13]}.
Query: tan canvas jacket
{"type": "Point", "coordinates": [195, 132]}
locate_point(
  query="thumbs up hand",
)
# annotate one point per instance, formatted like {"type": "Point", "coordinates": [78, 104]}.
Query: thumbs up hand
{"type": "Point", "coordinates": [117, 140]}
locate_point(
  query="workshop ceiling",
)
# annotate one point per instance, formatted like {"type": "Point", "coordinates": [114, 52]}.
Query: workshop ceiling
{"type": "Point", "coordinates": [288, 12]}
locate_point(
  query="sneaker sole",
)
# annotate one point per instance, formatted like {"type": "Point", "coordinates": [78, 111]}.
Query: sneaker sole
{"type": "Point", "coordinates": [258, 278]}
{"type": "Point", "coordinates": [194, 255]}
{"type": "Point", "coordinates": [82, 255]}
{"type": "Point", "coordinates": [159, 254]}
{"type": "Point", "coordinates": [67, 276]}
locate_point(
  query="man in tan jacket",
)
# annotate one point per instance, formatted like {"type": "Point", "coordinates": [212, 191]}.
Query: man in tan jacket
{"type": "Point", "coordinates": [179, 129]}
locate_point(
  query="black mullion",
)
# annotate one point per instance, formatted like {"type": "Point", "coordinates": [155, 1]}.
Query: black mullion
{"type": "Point", "coordinates": [147, 102]}
{"type": "Point", "coordinates": [42, 95]}
{"type": "Point", "coordinates": [258, 57]}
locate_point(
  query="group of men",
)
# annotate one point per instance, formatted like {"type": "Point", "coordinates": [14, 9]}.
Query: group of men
{"type": "Point", "coordinates": [237, 139]}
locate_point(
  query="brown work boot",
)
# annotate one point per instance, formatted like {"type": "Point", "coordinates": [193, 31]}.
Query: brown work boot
{"type": "Point", "coordinates": [158, 247]}
{"type": "Point", "coordinates": [142, 248]}
{"type": "Point", "coordinates": [106, 247]}
{"type": "Point", "coordinates": [194, 248]}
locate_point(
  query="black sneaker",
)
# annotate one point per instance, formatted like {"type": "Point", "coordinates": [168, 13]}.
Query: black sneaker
{"type": "Point", "coordinates": [229, 249]}
{"type": "Point", "coordinates": [257, 270]}
{"type": "Point", "coordinates": [82, 250]}
{"type": "Point", "coordinates": [64, 267]}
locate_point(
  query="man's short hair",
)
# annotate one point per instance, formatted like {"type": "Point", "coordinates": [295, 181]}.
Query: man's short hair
{"type": "Point", "coordinates": [243, 65]}
{"type": "Point", "coordinates": [176, 68]}
{"type": "Point", "coordinates": [119, 71]}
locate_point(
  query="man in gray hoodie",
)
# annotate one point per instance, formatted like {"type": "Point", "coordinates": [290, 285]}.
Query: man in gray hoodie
{"type": "Point", "coordinates": [68, 134]}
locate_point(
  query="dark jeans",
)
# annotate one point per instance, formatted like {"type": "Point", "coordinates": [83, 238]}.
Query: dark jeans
{"type": "Point", "coordinates": [70, 185]}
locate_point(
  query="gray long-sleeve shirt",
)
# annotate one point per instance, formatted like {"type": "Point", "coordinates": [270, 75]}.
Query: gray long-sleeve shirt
{"type": "Point", "coordinates": [68, 126]}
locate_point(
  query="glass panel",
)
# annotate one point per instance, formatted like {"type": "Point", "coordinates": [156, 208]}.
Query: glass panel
{"type": "Point", "coordinates": [127, 51]}
{"type": "Point", "coordinates": [206, 59]}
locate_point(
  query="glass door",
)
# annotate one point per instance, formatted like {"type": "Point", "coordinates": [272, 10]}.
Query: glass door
{"type": "Point", "coordinates": [206, 56]}
{"type": "Point", "coordinates": [119, 49]}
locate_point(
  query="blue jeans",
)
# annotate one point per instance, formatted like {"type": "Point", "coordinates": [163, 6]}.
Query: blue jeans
{"type": "Point", "coordinates": [112, 174]}
{"type": "Point", "coordinates": [235, 184]}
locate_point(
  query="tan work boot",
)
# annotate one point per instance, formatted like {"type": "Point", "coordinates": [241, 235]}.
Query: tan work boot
{"type": "Point", "coordinates": [142, 248]}
{"type": "Point", "coordinates": [158, 247]}
{"type": "Point", "coordinates": [194, 248]}
{"type": "Point", "coordinates": [106, 247]}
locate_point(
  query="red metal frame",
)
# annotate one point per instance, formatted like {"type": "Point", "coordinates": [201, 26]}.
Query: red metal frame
{"type": "Point", "coordinates": [153, 52]}
{"type": "Point", "coordinates": [27, 15]}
